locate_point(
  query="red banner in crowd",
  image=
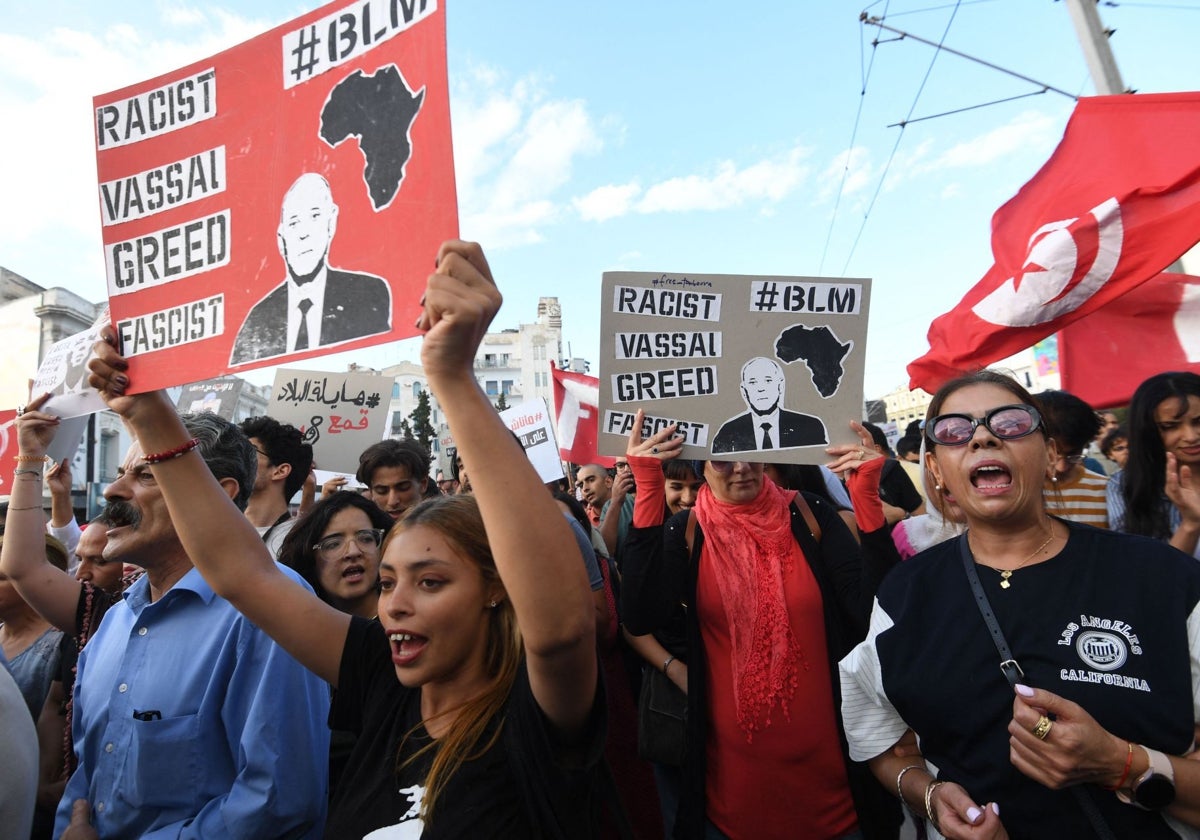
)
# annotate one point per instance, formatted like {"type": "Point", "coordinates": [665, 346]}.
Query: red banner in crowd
{"type": "Point", "coordinates": [577, 418]}
{"type": "Point", "coordinates": [1154, 328]}
{"type": "Point", "coordinates": [281, 200]}
{"type": "Point", "coordinates": [1117, 202]}
{"type": "Point", "coordinates": [8, 450]}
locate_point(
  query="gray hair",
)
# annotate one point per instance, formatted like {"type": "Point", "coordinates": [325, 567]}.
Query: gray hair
{"type": "Point", "coordinates": [226, 450]}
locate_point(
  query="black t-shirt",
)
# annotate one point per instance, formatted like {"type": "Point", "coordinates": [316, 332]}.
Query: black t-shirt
{"type": "Point", "coordinates": [1105, 624]}
{"type": "Point", "coordinates": [524, 786]}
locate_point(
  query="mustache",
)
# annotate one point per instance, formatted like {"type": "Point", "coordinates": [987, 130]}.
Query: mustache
{"type": "Point", "coordinates": [120, 513]}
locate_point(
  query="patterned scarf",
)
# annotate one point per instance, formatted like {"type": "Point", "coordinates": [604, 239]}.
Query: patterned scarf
{"type": "Point", "coordinates": [750, 547]}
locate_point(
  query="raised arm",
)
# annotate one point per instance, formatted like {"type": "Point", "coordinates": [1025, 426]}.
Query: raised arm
{"type": "Point", "coordinates": [218, 539]}
{"type": "Point", "coordinates": [542, 574]}
{"type": "Point", "coordinates": [53, 593]}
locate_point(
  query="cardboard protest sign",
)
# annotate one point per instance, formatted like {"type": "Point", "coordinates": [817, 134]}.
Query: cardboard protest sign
{"type": "Point", "coordinates": [754, 368]}
{"type": "Point", "coordinates": [282, 199]}
{"type": "Point", "coordinates": [530, 422]}
{"type": "Point", "coordinates": [340, 414]}
{"type": "Point", "coordinates": [216, 396]}
{"type": "Point", "coordinates": [64, 373]}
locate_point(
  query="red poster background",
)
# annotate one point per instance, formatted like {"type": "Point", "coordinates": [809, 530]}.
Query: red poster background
{"type": "Point", "coordinates": [8, 450]}
{"type": "Point", "coordinates": [271, 136]}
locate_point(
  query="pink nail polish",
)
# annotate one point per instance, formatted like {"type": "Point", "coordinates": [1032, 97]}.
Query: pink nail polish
{"type": "Point", "coordinates": [996, 808]}
{"type": "Point", "coordinates": [973, 814]}
{"type": "Point", "coordinates": [1024, 690]}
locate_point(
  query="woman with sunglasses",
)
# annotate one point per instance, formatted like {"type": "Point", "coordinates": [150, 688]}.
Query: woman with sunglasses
{"type": "Point", "coordinates": [476, 694]}
{"type": "Point", "coordinates": [769, 609]}
{"type": "Point", "coordinates": [335, 548]}
{"type": "Point", "coordinates": [1103, 628]}
{"type": "Point", "coordinates": [1157, 494]}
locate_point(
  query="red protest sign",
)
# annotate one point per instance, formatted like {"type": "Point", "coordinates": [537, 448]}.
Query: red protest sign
{"type": "Point", "coordinates": [282, 199]}
{"type": "Point", "coordinates": [8, 450]}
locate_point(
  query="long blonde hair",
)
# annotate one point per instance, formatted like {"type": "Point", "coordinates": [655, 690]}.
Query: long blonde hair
{"type": "Point", "coordinates": [458, 521]}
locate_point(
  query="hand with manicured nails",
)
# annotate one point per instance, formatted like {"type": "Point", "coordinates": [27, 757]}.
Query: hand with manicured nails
{"type": "Point", "coordinates": [1077, 749]}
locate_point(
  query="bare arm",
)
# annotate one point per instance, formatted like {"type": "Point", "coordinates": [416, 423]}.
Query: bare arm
{"type": "Point", "coordinates": [548, 587]}
{"type": "Point", "coordinates": [53, 593]}
{"type": "Point", "coordinates": [1183, 489]}
{"type": "Point", "coordinates": [219, 540]}
{"type": "Point", "coordinates": [51, 724]}
{"type": "Point", "coordinates": [610, 527]}
{"type": "Point", "coordinates": [651, 650]}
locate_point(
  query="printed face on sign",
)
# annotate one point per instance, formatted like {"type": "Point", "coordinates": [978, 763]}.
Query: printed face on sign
{"type": "Point", "coordinates": [762, 385]}
{"type": "Point", "coordinates": [306, 225]}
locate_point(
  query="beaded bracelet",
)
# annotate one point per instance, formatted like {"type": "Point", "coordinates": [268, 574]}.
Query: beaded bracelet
{"type": "Point", "coordinates": [26, 459]}
{"type": "Point", "coordinates": [933, 785]}
{"type": "Point", "coordinates": [159, 457]}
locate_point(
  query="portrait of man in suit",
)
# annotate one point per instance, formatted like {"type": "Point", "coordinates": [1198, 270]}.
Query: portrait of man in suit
{"type": "Point", "coordinates": [318, 305]}
{"type": "Point", "coordinates": [767, 425]}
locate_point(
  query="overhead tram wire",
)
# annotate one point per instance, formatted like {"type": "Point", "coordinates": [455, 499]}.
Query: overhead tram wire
{"type": "Point", "coordinates": [865, 75]}
{"type": "Point", "coordinates": [887, 167]}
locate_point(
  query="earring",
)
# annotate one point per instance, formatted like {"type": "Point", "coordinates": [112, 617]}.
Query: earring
{"type": "Point", "coordinates": [492, 605]}
{"type": "Point", "coordinates": [1054, 478]}
{"type": "Point", "coordinates": [937, 487]}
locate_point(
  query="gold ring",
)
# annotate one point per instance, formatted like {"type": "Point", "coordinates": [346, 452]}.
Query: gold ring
{"type": "Point", "coordinates": [1042, 728]}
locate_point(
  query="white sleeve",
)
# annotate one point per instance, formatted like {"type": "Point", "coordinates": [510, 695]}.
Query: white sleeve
{"type": "Point", "coordinates": [872, 723]}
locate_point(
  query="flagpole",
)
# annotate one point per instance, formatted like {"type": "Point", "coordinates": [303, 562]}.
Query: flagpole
{"type": "Point", "coordinates": [1093, 37]}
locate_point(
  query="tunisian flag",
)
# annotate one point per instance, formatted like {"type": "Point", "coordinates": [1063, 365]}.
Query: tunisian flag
{"type": "Point", "coordinates": [1154, 328]}
{"type": "Point", "coordinates": [576, 396]}
{"type": "Point", "coordinates": [1117, 202]}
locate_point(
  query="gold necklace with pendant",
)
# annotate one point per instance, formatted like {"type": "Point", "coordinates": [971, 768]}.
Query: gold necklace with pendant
{"type": "Point", "coordinates": [1005, 574]}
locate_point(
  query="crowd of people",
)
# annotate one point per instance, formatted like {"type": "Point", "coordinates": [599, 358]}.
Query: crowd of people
{"type": "Point", "coordinates": [990, 630]}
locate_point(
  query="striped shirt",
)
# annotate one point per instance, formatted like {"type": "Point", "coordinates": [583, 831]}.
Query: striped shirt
{"type": "Point", "coordinates": [1081, 500]}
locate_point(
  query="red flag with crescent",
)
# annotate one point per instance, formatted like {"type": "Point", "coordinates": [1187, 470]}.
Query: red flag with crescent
{"type": "Point", "coordinates": [1117, 202]}
{"type": "Point", "coordinates": [577, 418]}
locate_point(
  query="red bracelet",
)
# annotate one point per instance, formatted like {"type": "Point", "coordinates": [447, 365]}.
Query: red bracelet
{"type": "Point", "coordinates": [1125, 775]}
{"type": "Point", "coordinates": [159, 457]}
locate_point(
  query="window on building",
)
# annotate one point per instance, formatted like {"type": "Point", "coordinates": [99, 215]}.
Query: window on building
{"type": "Point", "coordinates": [395, 390]}
{"type": "Point", "coordinates": [397, 419]}
{"type": "Point", "coordinates": [492, 388]}
{"type": "Point", "coordinates": [506, 386]}
{"type": "Point", "coordinates": [416, 390]}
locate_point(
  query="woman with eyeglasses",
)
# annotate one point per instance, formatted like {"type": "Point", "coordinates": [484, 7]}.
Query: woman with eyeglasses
{"type": "Point", "coordinates": [774, 592]}
{"type": "Point", "coordinates": [1087, 731]}
{"type": "Point", "coordinates": [476, 694]}
{"type": "Point", "coordinates": [1157, 494]}
{"type": "Point", "coordinates": [335, 547]}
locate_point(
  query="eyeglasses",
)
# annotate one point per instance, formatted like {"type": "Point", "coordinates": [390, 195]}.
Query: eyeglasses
{"type": "Point", "coordinates": [1008, 422]}
{"type": "Point", "coordinates": [365, 539]}
{"type": "Point", "coordinates": [1073, 460]}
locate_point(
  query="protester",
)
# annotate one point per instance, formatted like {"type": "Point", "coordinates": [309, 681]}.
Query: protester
{"type": "Point", "coordinates": [18, 758]}
{"type": "Point", "coordinates": [30, 643]}
{"type": "Point", "coordinates": [771, 608]}
{"type": "Point", "coordinates": [1072, 490]}
{"type": "Point", "coordinates": [215, 727]}
{"type": "Point", "coordinates": [284, 462]}
{"type": "Point", "coordinates": [1103, 648]}
{"type": "Point", "coordinates": [516, 715]}
{"type": "Point", "coordinates": [1158, 493]}
{"type": "Point", "coordinates": [1115, 446]}
{"type": "Point", "coordinates": [335, 548]}
{"type": "Point", "coordinates": [898, 491]}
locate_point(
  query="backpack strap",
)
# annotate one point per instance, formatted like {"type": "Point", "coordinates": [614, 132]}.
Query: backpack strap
{"type": "Point", "coordinates": [809, 518]}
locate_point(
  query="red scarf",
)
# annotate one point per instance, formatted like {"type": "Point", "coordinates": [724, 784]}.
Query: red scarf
{"type": "Point", "coordinates": [751, 547]}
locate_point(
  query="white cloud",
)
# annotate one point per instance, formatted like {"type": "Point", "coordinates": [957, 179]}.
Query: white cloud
{"type": "Point", "coordinates": [768, 181]}
{"type": "Point", "coordinates": [1030, 129]}
{"type": "Point", "coordinates": [514, 149]}
{"type": "Point", "coordinates": [607, 202]}
{"type": "Point", "coordinates": [854, 166]}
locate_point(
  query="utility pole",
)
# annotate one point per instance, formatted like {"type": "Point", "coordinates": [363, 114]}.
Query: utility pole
{"type": "Point", "coordinates": [1093, 37]}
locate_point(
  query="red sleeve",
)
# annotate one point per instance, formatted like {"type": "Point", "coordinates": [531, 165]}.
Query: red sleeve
{"type": "Point", "coordinates": [649, 503]}
{"type": "Point", "coordinates": [863, 484]}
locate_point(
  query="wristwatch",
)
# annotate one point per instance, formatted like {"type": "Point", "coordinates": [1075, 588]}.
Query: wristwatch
{"type": "Point", "coordinates": [1154, 789]}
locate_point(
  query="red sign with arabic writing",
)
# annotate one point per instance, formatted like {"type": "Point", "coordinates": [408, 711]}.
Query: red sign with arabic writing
{"type": "Point", "coordinates": [282, 199]}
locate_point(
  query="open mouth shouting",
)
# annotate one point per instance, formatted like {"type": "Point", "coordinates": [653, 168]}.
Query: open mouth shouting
{"type": "Point", "coordinates": [991, 477]}
{"type": "Point", "coordinates": [406, 647]}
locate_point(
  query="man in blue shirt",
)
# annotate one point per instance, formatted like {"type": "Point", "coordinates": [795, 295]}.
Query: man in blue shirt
{"type": "Point", "coordinates": [189, 721]}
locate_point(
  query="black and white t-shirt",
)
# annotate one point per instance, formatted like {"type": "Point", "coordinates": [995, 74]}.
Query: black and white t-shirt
{"type": "Point", "coordinates": [521, 787]}
{"type": "Point", "coordinates": [1110, 623]}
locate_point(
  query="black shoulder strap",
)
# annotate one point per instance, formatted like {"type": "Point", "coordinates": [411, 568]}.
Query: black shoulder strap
{"type": "Point", "coordinates": [283, 517]}
{"type": "Point", "coordinates": [1013, 673]}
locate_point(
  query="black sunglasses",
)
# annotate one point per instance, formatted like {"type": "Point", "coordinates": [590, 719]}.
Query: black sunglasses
{"type": "Point", "coordinates": [1008, 422]}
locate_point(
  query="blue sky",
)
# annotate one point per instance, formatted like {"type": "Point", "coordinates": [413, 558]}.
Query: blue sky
{"type": "Point", "coordinates": [664, 136]}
